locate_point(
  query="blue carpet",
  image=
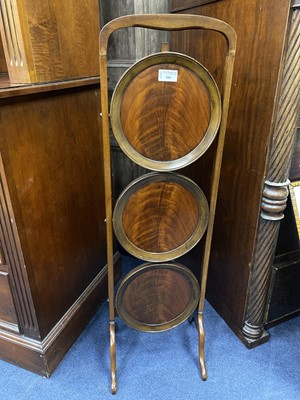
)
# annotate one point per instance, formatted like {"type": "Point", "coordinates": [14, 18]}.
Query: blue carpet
{"type": "Point", "coordinates": [164, 365]}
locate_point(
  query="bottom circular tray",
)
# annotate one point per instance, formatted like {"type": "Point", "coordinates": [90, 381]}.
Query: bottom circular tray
{"type": "Point", "coordinates": [157, 297]}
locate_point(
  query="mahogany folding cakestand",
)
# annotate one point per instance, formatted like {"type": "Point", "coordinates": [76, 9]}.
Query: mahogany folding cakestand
{"type": "Point", "coordinates": [162, 188]}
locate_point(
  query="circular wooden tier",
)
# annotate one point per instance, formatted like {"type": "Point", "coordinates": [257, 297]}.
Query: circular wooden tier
{"type": "Point", "coordinates": [160, 216]}
{"type": "Point", "coordinates": [165, 111]}
{"type": "Point", "coordinates": [157, 297]}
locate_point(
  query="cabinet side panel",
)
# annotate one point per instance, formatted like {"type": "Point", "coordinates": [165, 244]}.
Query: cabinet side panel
{"type": "Point", "coordinates": [54, 164]}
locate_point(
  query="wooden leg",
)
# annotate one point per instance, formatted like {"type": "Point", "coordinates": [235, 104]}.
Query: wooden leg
{"type": "Point", "coordinates": [113, 357]}
{"type": "Point", "coordinates": [201, 336]}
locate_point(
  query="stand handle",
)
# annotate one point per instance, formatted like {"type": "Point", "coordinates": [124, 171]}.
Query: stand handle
{"type": "Point", "coordinates": [167, 22]}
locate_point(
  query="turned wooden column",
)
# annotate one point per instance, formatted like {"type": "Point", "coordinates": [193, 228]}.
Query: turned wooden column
{"type": "Point", "coordinates": [275, 191]}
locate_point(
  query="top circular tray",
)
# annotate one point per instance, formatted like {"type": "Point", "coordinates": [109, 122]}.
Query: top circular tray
{"type": "Point", "coordinates": [165, 111]}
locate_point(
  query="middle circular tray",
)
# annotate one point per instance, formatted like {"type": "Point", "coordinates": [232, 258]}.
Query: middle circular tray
{"type": "Point", "coordinates": [160, 216]}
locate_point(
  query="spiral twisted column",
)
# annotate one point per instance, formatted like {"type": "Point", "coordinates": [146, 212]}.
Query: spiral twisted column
{"type": "Point", "coordinates": [276, 186]}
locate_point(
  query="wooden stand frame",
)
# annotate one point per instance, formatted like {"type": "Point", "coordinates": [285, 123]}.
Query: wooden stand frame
{"type": "Point", "coordinates": [168, 23]}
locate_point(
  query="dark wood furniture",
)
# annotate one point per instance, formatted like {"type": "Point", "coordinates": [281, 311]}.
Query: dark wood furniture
{"type": "Point", "coordinates": [52, 214]}
{"type": "Point", "coordinates": [258, 149]}
{"type": "Point", "coordinates": [52, 271]}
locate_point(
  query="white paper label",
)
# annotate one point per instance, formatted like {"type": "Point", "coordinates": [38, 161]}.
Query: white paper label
{"type": "Point", "coordinates": [167, 75]}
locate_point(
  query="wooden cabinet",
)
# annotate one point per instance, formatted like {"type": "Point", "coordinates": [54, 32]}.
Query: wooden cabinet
{"type": "Point", "coordinates": [52, 223]}
{"type": "Point", "coordinates": [49, 40]}
{"type": "Point", "coordinates": [260, 138]}
{"type": "Point", "coordinates": [52, 270]}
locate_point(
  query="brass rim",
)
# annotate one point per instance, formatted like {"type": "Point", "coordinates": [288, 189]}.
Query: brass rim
{"type": "Point", "coordinates": [202, 73]}
{"type": "Point", "coordinates": [194, 290]}
{"type": "Point", "coordinates": [142, 181]}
